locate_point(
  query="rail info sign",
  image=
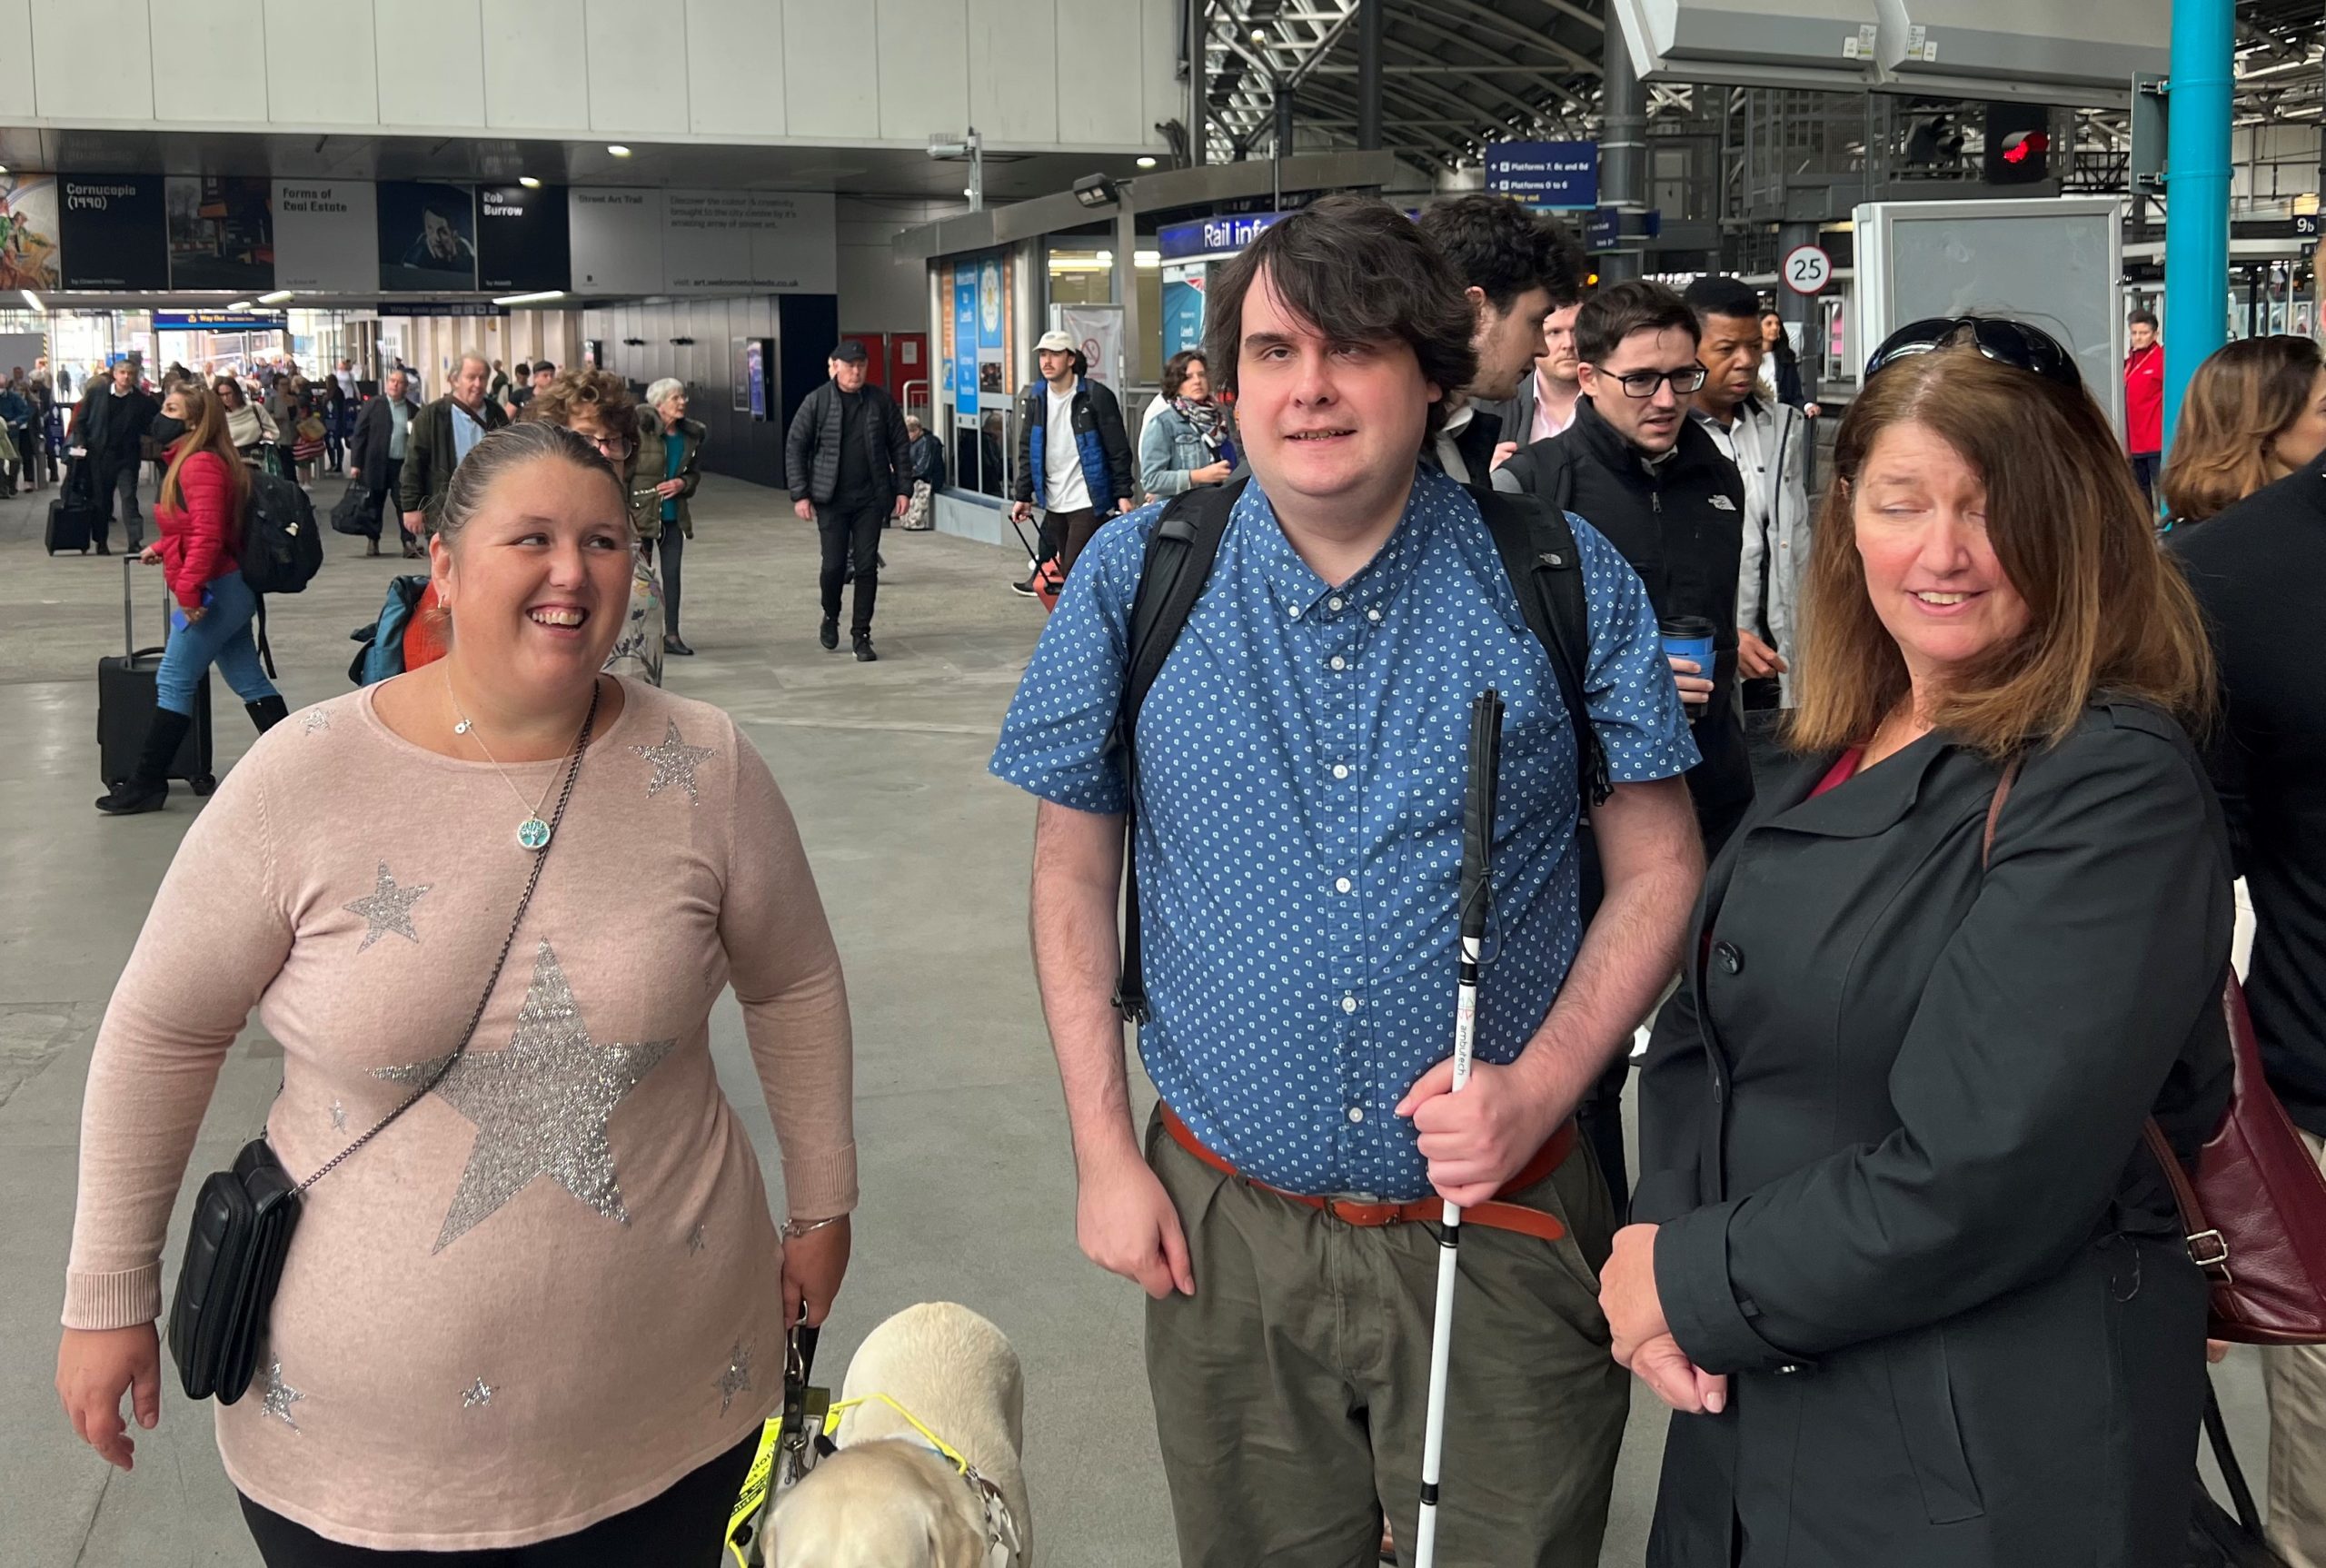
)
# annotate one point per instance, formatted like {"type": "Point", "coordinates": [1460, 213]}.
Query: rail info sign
{"type": "Point", "coordinates": [1556, 176]}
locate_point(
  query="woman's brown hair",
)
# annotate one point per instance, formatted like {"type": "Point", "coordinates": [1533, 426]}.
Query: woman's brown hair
{"type": "Point", "coordinates": [2107, 611]}
{"type": "Point", "coordinates": [1175, 370]}
{"type": "Point", "coordinates": [602, 391]}
{"type": "Point", "coordinates": [2238, 403]}
{"type": "Point", "coordinates": [205, 430]}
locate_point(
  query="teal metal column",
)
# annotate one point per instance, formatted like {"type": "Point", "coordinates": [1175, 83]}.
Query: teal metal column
{"type": "Point", "coordinates": [2196, 191]}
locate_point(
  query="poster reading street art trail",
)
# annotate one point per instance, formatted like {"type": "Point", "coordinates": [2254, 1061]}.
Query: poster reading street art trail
{"type": "Point", "coordinates": [325, 238]}
{"type": "Point", "coordinates": [427, 236]}
{"type": "Point", "coordinates": [221, 232]}
{"type": "Point", "coordinates": [617, 241]}
{"type": "Point", "coordinates": [113, 232]}
{"type": "Point", "coordinates": [28, 232]}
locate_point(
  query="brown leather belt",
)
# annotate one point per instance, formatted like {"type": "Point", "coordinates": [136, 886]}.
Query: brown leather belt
{"type": "Point", "coordinates": [1494, 1213]}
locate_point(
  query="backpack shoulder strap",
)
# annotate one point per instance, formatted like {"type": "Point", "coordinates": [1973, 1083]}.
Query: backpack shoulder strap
{"type": "Point", "coordinates": [1179, 552]}
{"type": "Point", "coordinates": [1546, 568]}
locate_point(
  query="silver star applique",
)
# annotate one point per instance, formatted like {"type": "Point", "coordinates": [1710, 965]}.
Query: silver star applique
{"type": "Point", "coordinates": [539, 1106]}
{"type": "Point", "coordinates": [477, 1393]}
{"type": "Point", "coordinates": [314, 720]}
{"type": "Point", "coordinates": [695, 1242]}
{"type": "Point", "coordinates": [674, 762]}
{"type": "Point", "coordinates": [387, 908]}
{"type": "Point", "coordinates": [338, 1118]}
{"type": "Point", "coordinates": [737, 1378]}
{"type": "Point", "coordinates": [279, 1396]}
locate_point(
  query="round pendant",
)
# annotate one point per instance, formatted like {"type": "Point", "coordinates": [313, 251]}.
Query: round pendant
{"type": "Point", "coordinates": [462, 727]}
{"type": "Point", "coordinates": [534, 833]}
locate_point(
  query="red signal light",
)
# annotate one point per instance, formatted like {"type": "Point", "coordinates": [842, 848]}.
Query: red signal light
{"type": "Point", "coordinates": [2026, 145]}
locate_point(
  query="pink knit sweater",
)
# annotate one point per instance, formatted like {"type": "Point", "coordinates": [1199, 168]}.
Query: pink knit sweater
{"type": "Point", "coordinates": [553, 1287]}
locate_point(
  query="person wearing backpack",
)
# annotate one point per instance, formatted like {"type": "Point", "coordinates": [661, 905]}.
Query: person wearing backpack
{"type": "Point", "coordinates": [199, 514]}
{"type": "Point", "coordinates": [1292, 769]}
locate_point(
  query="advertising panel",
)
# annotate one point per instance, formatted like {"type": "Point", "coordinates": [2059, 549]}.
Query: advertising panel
{"type": "Point", "coordinates": [616, 240]}
{"type": "Point", "coordinates": [113, 232]}
{"type": "Point", "coordinates": [993, 384]}
{"type": "Point", "coordinates": [965, 337]}
{"type": "Point", "coordinates": [427, 236]}
{"type": "Point", "coordinates": [28, 232]}
{"type": "Point", "coordinates": [778, 241]}
{"type": "Point", "coordinates": [325, 237]}
{"type": "Point", "coordinates": [221, 232]}
{"type": "Point", "coordinates": [524, 239]}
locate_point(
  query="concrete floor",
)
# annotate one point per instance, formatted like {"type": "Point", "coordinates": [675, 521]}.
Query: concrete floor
{"type": "Point", "coordinates": [922, 862]}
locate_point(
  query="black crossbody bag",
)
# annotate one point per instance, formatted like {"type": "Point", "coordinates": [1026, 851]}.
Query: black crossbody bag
{"type": "Point", "coordinates": [245, 1214]}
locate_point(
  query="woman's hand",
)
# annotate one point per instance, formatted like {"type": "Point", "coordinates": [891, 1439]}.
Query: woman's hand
{"type": "Point", "coordinates": [1211, 473]}
{"type": "Point", "coordinates": [195, 614]}
{"type": "Point", "coordinates": [669, 487]}
{"type": "Point", "coordinates": [1627, 1291]}
{"type": "Point", "coordinates": [93, 1367]}
{"type": "Point", "coordinates": [813, 1265]}
{"type": "Point", "coordinates": [151, 555]}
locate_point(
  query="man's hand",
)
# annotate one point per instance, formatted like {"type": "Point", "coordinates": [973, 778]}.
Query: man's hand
{"type": "Point", "coordinates": [1503, 453]}
{"type": "Point", "coordinates": [1756, 658]}
{"type": "Point", "coordinates": [1479, 1139]}
{"type": "Point", "coordinates": [804, 510]}
{"type": "Point", "coordinates": [1695, 690]}
{"type": "Point", "coordinates": [1019, 510]}
{"type": "Point", "coordinates": [814, 1266]}
{"type": "Point", "coordinates": [151, 555]}
{"type": "Point", "coordinates": [669, 487]}
{"type": "Point", "coordinates": [1211, 473]}
{"type": "Point", "coordinates": [95, 1367]}
{"type": "Point", "coordinates": [354, 474]}
{"type": "Point", "coordinates": [1811, 410]}
{"type": "Point", "coordinates": [415, 523]}
{"type": "Point", "coordinates": [1627, 1291]}
{"type": "Point", "coordinates": [902, 501]}
{"type": "Point", "coordinates": [1125, 1223]}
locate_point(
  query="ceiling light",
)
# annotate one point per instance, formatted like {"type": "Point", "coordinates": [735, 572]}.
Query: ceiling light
{"type": "Point", "coordinates": [1096, 190]}
{"type": "Point", "coordinates": [1106, 258]}
{"type": "Point", "coordinates": [539, 296]}
{"type": "Point", "coordinates": [1259, 35]}
{"type": "Point", "coordinates": [1150, 260]}
{"type": "Point", "coordinates": [617, 150]}
{"type": "Point", "coordinates": [529, 181]}
{"type": "Point", "coordinates": [279, 297]}
{"type": "Point", "coordinates": [1147, 161]}
{"type": "Point", "coordinates": [241, 305]}
{"type": "Point", "coordinates": [33, 300]}
{"type": "Point", "coordinates": [970, 191]}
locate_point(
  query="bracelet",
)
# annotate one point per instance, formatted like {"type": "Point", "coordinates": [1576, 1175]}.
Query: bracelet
{"type": "Point", "coordinates": [793, 1230]}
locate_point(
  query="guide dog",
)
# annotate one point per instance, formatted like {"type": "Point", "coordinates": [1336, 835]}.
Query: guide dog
{"type": "Point", "coordinates": [889, 1497]}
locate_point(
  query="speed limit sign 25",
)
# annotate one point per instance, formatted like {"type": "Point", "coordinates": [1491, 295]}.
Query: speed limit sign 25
{"type": "Point", "coordinates": [1807, 269]}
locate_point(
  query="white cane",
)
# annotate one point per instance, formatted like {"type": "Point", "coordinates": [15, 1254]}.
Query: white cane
{"type": "Point", "coordinates": [1478, 882]}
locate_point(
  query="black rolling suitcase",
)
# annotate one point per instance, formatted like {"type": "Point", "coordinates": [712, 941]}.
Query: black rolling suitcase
{"type": "Point", "coordinates": [74, 515]}
{"type": "Point", "coordinates": [125, 700]}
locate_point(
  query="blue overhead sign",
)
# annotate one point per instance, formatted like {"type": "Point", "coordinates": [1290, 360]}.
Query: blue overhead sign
{"type": "Point", "coordinates": [1604, 228]}
{"type": "Point", "coordinates": [214, 322]}
{"type": "Point", "coordinates": [1221, 236]}
{"type": "Point", "coordinates": [1558, 176]}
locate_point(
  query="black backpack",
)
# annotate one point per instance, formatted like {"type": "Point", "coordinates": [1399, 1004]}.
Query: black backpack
{"type": "Point", "coordinates": [282, 548]}
{"type": "Point", "coordinates": [1537, 550]}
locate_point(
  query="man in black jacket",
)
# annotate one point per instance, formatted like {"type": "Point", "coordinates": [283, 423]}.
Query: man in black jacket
{"type": "Point", "coordinates": [107, 429]}
{"type": "Point", "coordinates": [382, 437]}
{"type": "Point", "coordinates": [1074, 459]}
{"type": "Point", "coordinates": [442, 435]}
{"type": "Point", "coordinates": [1638, 469]}
{"type": "Point", "coordinates": [1514, 264]}
{"type": "Point", "coordinates": [849, 466]}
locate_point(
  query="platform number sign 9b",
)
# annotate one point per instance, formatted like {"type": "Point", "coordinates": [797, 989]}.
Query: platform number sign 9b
{"type": "Point", "coordinates": [1807, 270]}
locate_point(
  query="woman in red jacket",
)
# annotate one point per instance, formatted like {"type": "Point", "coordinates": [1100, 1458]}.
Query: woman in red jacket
{"type": "Point", "coordinates": [200, 512]}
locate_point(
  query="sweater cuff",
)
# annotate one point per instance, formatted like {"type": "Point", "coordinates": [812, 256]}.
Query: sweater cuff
{"type": "Point", "coordinates": [123, 1300]}
{"type": "Point", "coordinates": [1700, 1304]}
{"type": "Point", "coordinates": [820, 1187]}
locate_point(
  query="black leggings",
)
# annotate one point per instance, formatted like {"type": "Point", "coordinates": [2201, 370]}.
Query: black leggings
{"type": "Point", "coordinates": [680, 1529]}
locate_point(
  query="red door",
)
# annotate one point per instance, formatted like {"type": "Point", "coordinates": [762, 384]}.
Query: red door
{"type": "Point", "coordinates": [909, 368]}
{"type": "Point", "coordinates": [876, 357]}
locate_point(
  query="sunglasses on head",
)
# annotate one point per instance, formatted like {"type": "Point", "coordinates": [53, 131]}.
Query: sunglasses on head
{"type": "Point", "coordinates": [1997, 338]}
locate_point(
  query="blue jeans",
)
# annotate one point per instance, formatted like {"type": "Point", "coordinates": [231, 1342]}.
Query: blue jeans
{"type": "Point", "coordinates": [222, 637]}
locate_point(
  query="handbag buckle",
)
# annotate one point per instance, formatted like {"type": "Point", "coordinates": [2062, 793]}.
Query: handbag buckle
{"type": "Point", "coordinates": [2210, 1251]}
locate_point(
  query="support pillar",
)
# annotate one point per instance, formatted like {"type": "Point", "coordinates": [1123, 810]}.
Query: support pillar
{"type": "Point", "coordinates": [2196, 191]}
{"type": "Point", "coordinates": [1622, 155]}
{"type": "Point", "coordinates": [1802, 310]}
{"type": "Point", "coordinates": [1370, 26]}
{"type": "Point", "coordinates": [1134, 350]}
{"type": "Point", "coordinates": [1198, 80]}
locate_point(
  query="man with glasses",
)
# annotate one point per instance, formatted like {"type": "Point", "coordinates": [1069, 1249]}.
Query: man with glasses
{"type": "Point", "coordinates": [442, 435]}
{"type": "Point", "coordinates": [1638, 469]}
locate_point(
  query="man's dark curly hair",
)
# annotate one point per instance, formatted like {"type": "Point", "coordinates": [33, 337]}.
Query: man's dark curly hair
{"type": "Point", "coordinates": [1357, 271]}
{"type": "Point", "coordinates": [1502, 249]}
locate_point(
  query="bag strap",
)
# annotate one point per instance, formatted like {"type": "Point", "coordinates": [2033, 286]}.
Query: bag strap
{"type": "Point", "coordinates": [2193, 1228]}
{"type": "Point", "coordinates": [1546, 568]}
{"type": "Point", "coordinates": [1179, 555]}
{"type": "Point", "coordinates": [2232, 1474]}
{"type": "Point", "coordinates": [524, 902]}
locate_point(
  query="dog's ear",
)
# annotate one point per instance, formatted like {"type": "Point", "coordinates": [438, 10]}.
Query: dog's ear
{"type": "Point", "coordinates": [954, 1540]}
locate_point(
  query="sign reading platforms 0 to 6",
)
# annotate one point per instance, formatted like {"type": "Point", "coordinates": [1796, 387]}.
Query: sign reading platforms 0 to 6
{"type": "Point", "coordinates": [1556, 176]}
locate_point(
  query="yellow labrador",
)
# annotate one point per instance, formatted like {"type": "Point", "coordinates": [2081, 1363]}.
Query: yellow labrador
{"type": "Point", "coordinates": [888, 1499]}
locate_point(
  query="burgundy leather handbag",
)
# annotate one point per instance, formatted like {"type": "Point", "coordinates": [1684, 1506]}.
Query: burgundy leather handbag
{"type": "Point", "coordinates": [2255, 1209]}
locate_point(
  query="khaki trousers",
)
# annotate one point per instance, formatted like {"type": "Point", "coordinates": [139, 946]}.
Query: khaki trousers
{"type": "Point", "coordinates": [1291, 1389]}
{"type": "Point", "coordinates": [2295, 1377]}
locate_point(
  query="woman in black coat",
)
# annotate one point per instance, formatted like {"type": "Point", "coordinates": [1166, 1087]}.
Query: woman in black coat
{"type": "Point", "coordinates": [1906, 1271]}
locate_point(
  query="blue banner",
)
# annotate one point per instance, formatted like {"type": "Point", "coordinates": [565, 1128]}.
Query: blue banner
{"type": "Point", "coordinates": [1558, 177]}
{"type": "Point", "coordinates": [1222, 236]}
{"type": "Point", "coordinates": [965, 337]}
{"type": "Point", "coordinates": [215, 321]}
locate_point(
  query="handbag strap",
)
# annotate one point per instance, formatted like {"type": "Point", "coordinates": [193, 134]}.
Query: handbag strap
{"type": "Point", "coordinates": [2176, 1174]}
{"type": "Point", "coordinates": [541, 858]}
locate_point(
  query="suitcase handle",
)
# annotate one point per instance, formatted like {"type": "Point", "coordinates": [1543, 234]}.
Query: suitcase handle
{"type": "Point", "coordinates": [128, 596]}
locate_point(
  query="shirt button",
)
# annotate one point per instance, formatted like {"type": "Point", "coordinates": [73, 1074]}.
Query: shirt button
{"type": "Point", "coordinates": [1357, 1113]}
{"type": "Point", "coordinates": [1729, 957]}
{"type": "Point", "coordinates": [1333, 603]}
{"type": "Point", "coordinates": [1338, 662]}
{"type": "Point", "coordinates": [1348, 1004]}
{"type": "Point", "coordinates": [1342, 885]}
{"type": "Point", "coordinates": [1340, 770]}
{"type": "Point", "coordinates": [1372, 615]}
{"type": "Point", "coordinates": [1294, 613]}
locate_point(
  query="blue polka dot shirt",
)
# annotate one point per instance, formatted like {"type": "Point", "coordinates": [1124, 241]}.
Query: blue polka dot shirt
{"type": "Point", "coordinates": [1302, 767]}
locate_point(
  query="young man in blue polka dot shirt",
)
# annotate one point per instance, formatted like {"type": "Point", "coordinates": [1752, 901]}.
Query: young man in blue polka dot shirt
{"type": "Point", "coordinates": [1301, 776]}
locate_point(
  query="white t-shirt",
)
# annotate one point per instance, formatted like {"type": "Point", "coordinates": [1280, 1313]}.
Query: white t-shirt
{"type": "Point", "coordinates": [1061, 459]}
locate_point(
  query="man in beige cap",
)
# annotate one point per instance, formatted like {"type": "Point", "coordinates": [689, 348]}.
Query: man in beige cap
{"type": "Point", "coordinates": [1074, 458]}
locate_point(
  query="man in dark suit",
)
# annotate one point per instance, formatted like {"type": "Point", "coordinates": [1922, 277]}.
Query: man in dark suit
{"type": "Point", "coordinates": [108, 430]}
{"type": "Point", "coordinates": [383, 438]}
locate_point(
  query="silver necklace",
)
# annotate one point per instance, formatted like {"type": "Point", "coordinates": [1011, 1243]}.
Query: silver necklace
{"type": "Point", "coordinates": [532, 833]}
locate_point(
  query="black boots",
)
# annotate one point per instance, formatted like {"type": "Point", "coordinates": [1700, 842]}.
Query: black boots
{"type": "Point", "coordinates": [828, 633]}
{"type": "Point", "coordinates": [863, 641]}
{"type": "Point", "coordinates": [149, 786]}
{"type": "Point", "coordinates": [267, 712]}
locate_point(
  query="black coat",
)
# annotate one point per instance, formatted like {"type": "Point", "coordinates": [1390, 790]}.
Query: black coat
{"type": "Point", "coordinates": [109, 428]}
{"type": "Point", "coordinates": [811, 444]}
{"type": "Point", "coordinates": [431, 453]}
{"type": "Point", "coordinates": [367, 449]}
{"type": "Point", "coordinates": [1891, 1130]}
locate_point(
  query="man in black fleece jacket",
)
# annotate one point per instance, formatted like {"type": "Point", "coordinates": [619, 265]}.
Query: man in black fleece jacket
{"type": "Point", "coordinates": [849, 466]}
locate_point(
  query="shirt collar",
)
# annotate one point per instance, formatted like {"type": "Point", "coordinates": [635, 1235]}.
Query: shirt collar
{"type": "Point", "coordinates": [1293, 584]}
